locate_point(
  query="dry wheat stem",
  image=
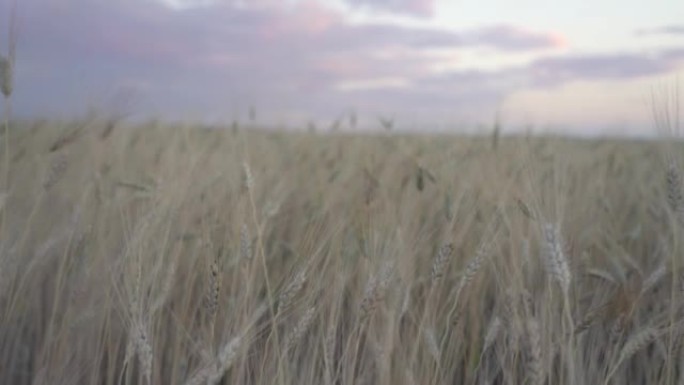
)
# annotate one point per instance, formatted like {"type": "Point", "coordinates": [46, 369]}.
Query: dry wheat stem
{"type": "Point", "coordinates": [212, 296]}
{"type": "Point", "coordinates": [375, 291]}
{"type": "Point", "coordinates": [225, 359]}
{"type": "Point", "coordinates": [675, 199]}
{"type": "Point", "coordinates": [167, 286]}
{"type": "Point", "coordinates": [247, 174]}
{"type": "Point", "coordinates": [213, 372]}
{"type": "Point", "coordinates": [556, 261]}
{"type": "Point", "coordinates": [142, 345]}
{"type": "Point", "coordinates": [591, 316]}
{"type": "Point", "coordinates": [656, 276]}
{"type": "Point", "coordinates": [245, 243]}
{"type": "Point", "coordinates": [6, 78]}
{"type": "Point", "coordinates": [297, 333]}
{"type": "Point", "coordinates": [430, 338]}
{"type": "Point", "coordinates": [286, 298]}
{"type": "Point", "coordinates": [440, 263]}
{"type": "Point", "coordinates": [636, 342]}
{"type": "Point", "coordinates": [492, 334]}
{"type": "Point", "coordinates": [329, 351]}
{"type": "Point", "coordinates": [472, 268]}
{"type": "Point", "coordinates": [55, 172]}
{"type": "Point", "coordinates": [535, 365]}
{"type": "Point", "coordinates": [6, 87]}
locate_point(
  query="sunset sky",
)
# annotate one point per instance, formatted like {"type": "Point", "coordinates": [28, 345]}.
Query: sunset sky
{"type": "Point", "coordinates": [575, 66]}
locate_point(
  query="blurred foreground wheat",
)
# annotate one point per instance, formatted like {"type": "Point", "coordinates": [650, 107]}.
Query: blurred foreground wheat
{"type": "Point", "coordinates": [177, 255]}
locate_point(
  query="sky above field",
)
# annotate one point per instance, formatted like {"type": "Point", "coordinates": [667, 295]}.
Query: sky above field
{"type": "Point", "coordinates": [576, 66]}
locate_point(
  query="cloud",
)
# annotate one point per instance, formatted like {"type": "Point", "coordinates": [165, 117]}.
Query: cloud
{"type": "Point", "coordinates": [181, 5]}
{"type": "Point", "coordinates": [418, 8]}
{"type": "Point", "coordinates": [674, 54]}
{"type": "Point", "coordinates": [270, 39]}
{"type": "Point", "coordinates": [677, 30]}
{"type": "Point", "coordinates": [510, 38]}
{"type": "Point", "coordinates": [210, 60]}
{"type": "Point", "coordinates": [552, 71]}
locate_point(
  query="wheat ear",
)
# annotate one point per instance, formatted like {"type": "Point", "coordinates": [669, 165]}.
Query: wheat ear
{"type": "Point", "coordinates": [675, 199]}
{"type": "Point", "coordinates": [556, 261]}
{"type": "Point", "coordinates": [375, 291]}
{"type": "Point", "coordinates": [440, 263]}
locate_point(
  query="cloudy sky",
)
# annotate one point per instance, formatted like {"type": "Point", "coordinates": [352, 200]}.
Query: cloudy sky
{"type": "Point", "coordinates": [581, 66]}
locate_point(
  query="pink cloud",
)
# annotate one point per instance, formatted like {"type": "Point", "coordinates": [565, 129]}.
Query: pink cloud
{"type": "Point", "coordinates": [419, 8]}
{"type": "Point", "coordinates": [507, 37]}
{"type": "Point", "coordinates": [673, 30]}
{"type": "Point", "coordinates": [291, 56]}
{"type": "Point", "coordinates": [341, 65]}
{"type": "Point", "coordinates": [309, 18]}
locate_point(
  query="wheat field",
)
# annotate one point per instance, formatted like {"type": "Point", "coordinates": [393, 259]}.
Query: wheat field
{"type": "Point", "coordinates": [160, 254]}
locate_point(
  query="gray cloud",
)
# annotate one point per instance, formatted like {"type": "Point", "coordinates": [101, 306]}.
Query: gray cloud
{"type": "Point", "coordinates": [419, 8]}
{"type": "Point", "coordinates": [211, 61]}
{"type": "Point", "coordinates": [664, 30]}
{"type": "Point", "coordinates": [557, 70]}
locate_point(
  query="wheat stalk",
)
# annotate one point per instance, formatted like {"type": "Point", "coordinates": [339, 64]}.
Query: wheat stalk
{"type": "Point", "coordinates": [141, 345]}
{"type": "Point", "coordinates": [406, 302]}
{"type": "Point", "coordinates": [245, 243]}
{"type": "Point", "coordinates": [212, 296]}
{"type": "Point", "coordinates": [675, 199]}
{"type": "Point", "coordinates": [472, 268]}
{"type": "Point", "coordinates": [636, 342]}
{"type": "Point", "coordinates": [431, 343]}
{"type": "Point", "coordinates": [213, 372]}
{"type": "Point", "coordinates": [440, 263]}
{"type": "Point", "coordinates": [556, 261]}
{"type": "Point", "coordinates": [3, 200]}
{"type": "Point", "coordinates": [652, 280]}
{"type": "Point", "coordinates": [492, 334]}
{"type": "Point", "coordinates": [375, 291]}
{"type": "Point", "coordinates": [291, 290]}
{"type": "Point", "coordinates": [6, 78]}
{"type": "Point", "coordinates": [7, 87]}
{"type": "Point", "coordinates": [225, 359]}
{"type": "Point", "coordinates": [58, 167]}
{"type": "Point", "coordinates": [535, 365]}
{"type": "Point", "coordinates": [167, 286]}
{"type": "Point", "coordinates": [299, 330]}
{"type": "Point", "coordinates": [247, 174]}
{"type": "Point", "coordinates": [7, 62]}
{"type": "Point", "coordinates": [329, 351]}
{"type": "Point", "coordinates": [589, 319]}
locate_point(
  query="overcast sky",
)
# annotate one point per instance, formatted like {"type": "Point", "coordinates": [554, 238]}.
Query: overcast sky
{"type": "Point", "coordinates": [579, 66]}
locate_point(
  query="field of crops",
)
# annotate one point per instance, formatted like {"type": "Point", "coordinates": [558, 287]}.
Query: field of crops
{"type": "Point", "coordinates": [160, 254]}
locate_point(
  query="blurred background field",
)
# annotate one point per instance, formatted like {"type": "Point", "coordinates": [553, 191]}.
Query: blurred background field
{"type": "Point", "coordinates": [177, 255]}
{"type": "Point", "coordinates": [403, 196]}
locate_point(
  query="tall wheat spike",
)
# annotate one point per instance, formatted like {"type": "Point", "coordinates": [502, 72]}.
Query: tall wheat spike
{"type": "Point", "coordinates": [57, 168]}
{"type": "Point", "coordinates": [7, 87]}
{"type": "Point", "coordinates": [492, 334]}
{"type": "Point", "coordinates": [6, 76]}
{"type": "Point", "coordinates": [143, 346]}
{"type": "Point", "coordinates": [245, 243]}
{"type": "Point", "coordinates": [297, 333]}
{"type": "Point", "coordinates": [375, 291]}
{"type": "Point", "coordinates": [291, 290]}
{"type": "Point", "coordinates": [556, 261]}
{"type": "Point", "coordinates": [212, 296]}
{"type": "Point", "coordinates": [440, 263]}
{"type": "Point", "coordinates": [636, 342]}
{"type": "Point", "coordinates": [473, 267]}
{"type": "Point", "coordinates": [535, 365]}
{"type": "Point", "coordinates": [675, 199]}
